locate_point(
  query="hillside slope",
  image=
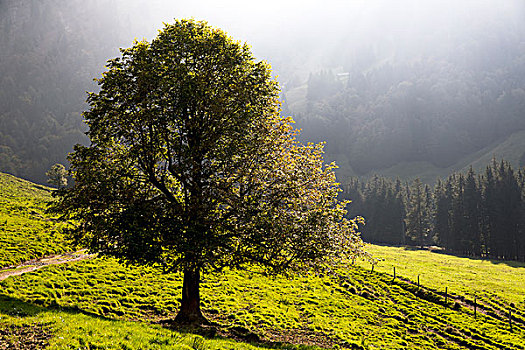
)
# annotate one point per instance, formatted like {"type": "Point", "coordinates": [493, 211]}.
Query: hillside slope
{"type": "Point", "coordinates": [511, 148]}
{"type": "Point", "coordinates": [353, 308]}
{"type": "Point", "coordinates": [100, 303]}
{"type": "Point", "coordinates": [26, 231]}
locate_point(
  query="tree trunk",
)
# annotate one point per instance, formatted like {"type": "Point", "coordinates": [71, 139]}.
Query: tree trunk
{"type": "Point", "coordinates": [190, 309]}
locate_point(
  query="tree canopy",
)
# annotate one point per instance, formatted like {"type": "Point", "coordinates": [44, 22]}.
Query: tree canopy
{"type": "Point", "coordinates": [192, 167]}
{"type": "Point", "coordinates": [56, 176]}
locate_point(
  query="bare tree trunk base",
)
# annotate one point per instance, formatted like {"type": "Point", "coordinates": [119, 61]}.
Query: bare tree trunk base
{"type": "Point", "coordinates": [190, 311]}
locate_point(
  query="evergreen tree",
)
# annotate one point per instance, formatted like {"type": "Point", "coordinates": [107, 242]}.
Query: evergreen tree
{"type": "Point", "coordinates": [509, 201]}
{"type": "Point", "coordinates": [458, 223]}
{"type": "Point", "coordinates": [472, 214]}
{"type": "Point", "coordinates": [521, 223]}
{"type": "Point", "coordinates": [429, 211]}
{"type": "Point", "coordinates": [417, 220]}
{"type": "Point", "coordinates": [381, 201]}
{"type": "Point", "coordinates": [442, 213]}
{"type": "Point", "coordinates": [502, 204]}
{"type": "Point", "coordinates": [373, 209]}
{"type": "Point", "coordinates": [490, 211]}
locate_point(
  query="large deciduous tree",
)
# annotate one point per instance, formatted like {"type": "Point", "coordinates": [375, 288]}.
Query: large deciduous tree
{"type": "Point", "coordinates": [192, 167]}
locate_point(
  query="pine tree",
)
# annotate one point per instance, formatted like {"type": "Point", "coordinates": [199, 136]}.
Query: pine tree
{"type": "Point", "coordinates": [490, 211]}
{"type": "Point", "coordinates": [458, 227]}
{"type": "Point", "coordinates": [502, 206]}
{"type": "Point", "coordinates": [521, 223]}
{"type": "Point", "coordinates": [401, 209]}
{"type": "Point", "coordinates": [417, 220]}
{"type": "Point", "coordinates": [442, 215]}
{"type": "Point", "coordinates": [510, 203]}
{"type": "Point", "coordinates": [429, 210]}
{"type": "Point", "coordinates": [472, 214]}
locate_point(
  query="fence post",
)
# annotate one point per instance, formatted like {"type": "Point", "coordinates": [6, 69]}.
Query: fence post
{"type": "Point", "coordinates": [510, 318]}
{"type": "Point", "coordinates": [446, 296]}
{"type": "Point", "coordinates": [475, 304]}
{"type": "Point", "coordinates": [418, 282]}
{"type": "Point", "coordinates": [394, 272]}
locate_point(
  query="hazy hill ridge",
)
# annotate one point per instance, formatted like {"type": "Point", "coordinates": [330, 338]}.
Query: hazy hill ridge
{"type": "Point", "coordinates": [50, 53]}
{"type": "Point", "coordinates": [415, 90]}
{"type": "Point", "coordinates": [447, 111]}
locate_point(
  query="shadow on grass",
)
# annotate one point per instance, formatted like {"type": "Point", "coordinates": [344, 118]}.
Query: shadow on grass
{"type": "Point", "coordinates": [412, 248]}
{"type": "Point", "coordinates": [14, 307]}
{"type": "Point", "coordinates": [438, 250]}
{"type": "Point", "coordinates": [215, 330]}
{"type": "Point", "coordinates": [510, 263]}
{"type": "Point", "coordinates": [10, 306]}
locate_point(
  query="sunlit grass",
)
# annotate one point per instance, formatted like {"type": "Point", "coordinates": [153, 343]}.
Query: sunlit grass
{"type": "Point", "coordinates": [350, 308]}
{"type": "Point", "coordinates": [101, 304]}
{"type": "Point", "coordinates": [26, 231]}
{"type": "Point", "coordinates": [486, 279]}
{"type": "Point", "coordinates": [76, 330]}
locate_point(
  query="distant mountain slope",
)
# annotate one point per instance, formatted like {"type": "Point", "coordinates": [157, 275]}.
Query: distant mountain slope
{"type": "Point", "coordinates": [50, 53]}
{"type": "Point", "coordinates": [512, 149]}
{"type": "Point", "coordinates": [440, 90]}
{"type": "Point", "coordinates": [413, 90]}
{"type": "Point", "coordinates": [435, 112]}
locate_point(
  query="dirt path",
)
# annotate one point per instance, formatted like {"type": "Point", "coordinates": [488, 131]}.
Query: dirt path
{"type": "Point", "coordinates": [36, 264]}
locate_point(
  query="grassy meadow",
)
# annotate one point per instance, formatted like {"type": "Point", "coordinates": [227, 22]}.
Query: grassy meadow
{"type": "Point", "coordinates": [102, 304]}
{"type": "Point", "coordinates": [498, 283]}
{"type": "Point", "coordinates": [349, 308]}
{"type": "Point", "coordinates": [26, 232]}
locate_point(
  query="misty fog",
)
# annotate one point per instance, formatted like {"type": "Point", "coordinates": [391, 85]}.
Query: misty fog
{"type": "Point", "coordinates": [308, 35]}
{"type": "Point", "coordinates": [386, 84]}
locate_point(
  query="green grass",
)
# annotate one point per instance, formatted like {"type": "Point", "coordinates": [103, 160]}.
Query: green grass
{"type": "Point", "coordinates": [494, 282]}
{"type": "Point", "coordinates": [101, 304]}
{"type": "Point", "coordinates": [26, 232]}
{"type": "Point", "coordinates": [350, 308]}
{"type": "Point", "coordinates": [70, 329]}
